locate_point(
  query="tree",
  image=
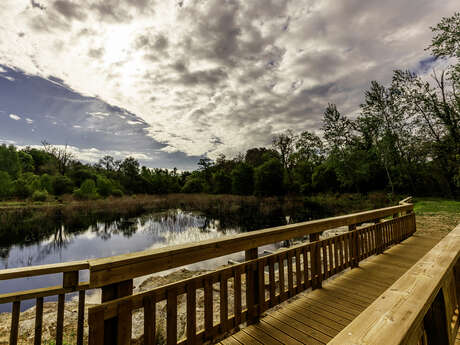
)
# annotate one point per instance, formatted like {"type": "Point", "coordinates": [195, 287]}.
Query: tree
{"type": "Point", "coordinates": [243, 179]}
{"type": "Point", "coordinates": [259, 155]}
{"type": "Point", "coordinates": [284, 143]}
{"type": "Point", "coordinates": [87, 190]}
{"type": "Point", "coordinates": [107, 163]}
{"type": "Point", "coordinates": [222, 182]}
{"type": "Point", "coordinates": [269, 178]}
{"type": "Point", "coordinates": [63, 155]}
{"type": "Point", "coordinates": [9, 160]}
{"type": "Point", "coordinates": [338, 130]}
{"type": "Point", "coordinates": [5, 184]}
{"type": "Point", "coordinates": [62, 185]}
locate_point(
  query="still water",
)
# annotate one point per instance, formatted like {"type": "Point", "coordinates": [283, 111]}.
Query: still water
{"type": "Point", "coordinates": [64, 242]}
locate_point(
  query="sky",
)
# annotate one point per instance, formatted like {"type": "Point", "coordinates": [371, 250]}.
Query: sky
{"type": "Point", "coordinates": [170, 81]}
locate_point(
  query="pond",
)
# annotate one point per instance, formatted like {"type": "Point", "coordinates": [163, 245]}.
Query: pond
{"type": "Point", "coordinates": [56, 241]}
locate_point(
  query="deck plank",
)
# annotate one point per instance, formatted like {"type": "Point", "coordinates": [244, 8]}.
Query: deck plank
{"type": "Point", "coordinates": [315, 317]}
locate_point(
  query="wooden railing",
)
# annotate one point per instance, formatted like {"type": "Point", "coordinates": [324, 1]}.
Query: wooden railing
{"type": "Point", "coordinates": [267, 281]}
{"type": "Point", "coordinates": [420, 308]}
{"type": "Point", "coordinates": [288, 272]}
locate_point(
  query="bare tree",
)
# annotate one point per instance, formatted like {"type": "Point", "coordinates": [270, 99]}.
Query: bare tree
{"type": "Point", "coordinates": [62, 154]}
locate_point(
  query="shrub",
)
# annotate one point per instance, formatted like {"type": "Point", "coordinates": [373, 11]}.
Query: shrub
{"type": "Point", "coordinates": [5, 184]}
{"type": "Point", "coordinates": [40, 195]}
{"type": "Point", "coordinates": [87, 190]}
{"type": "Point", "coordinates": [243, 179]}
{"type": "Point", "coordinates": [62, 185]}
{"type": "Point", "coordinates": [269, 178]}
{"type": "Point", "coordinates": [193, 185]}
{"type": "Point", "coordinates": [117, 192]}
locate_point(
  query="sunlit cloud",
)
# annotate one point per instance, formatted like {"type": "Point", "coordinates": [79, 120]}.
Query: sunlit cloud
{"type": "Point", "coordinates": [14, 117]}
{"type": "Point", "coordinates": [210, 77]}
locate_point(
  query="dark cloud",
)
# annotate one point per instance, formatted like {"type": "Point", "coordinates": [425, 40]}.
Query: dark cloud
{"type": "Point", "coordinates": [69, 9]}
{"type": "Point", "coordinates": [96, 53]}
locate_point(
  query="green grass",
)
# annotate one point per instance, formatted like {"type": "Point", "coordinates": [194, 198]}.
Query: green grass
{"type": "Point", "coordinates": [436, 205]}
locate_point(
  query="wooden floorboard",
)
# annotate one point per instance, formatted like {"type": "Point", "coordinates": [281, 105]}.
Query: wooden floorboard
{"type": "Point", "coordinates": [315, 317]}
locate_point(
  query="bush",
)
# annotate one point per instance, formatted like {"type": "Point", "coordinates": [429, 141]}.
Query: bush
{"type": "Point", "coordinates": [40, 195]}
{"type": "Point", "coordinates": [21, 189]}
{"type": "Point", "coordinates": [5, 184]}
{"type": "Point", "coordinates": [117, 192]}
{"type": "Point", "coordinates": [62, 185]}
{"type": "Point", "coordinates": [87, 191]}
{"type": "Point", "coordinates": [104, 186]}
{"type": "Point", "coordinates": [243, 179]}
{"type": "Point", "coordinates": [193, 185]}
{"type": "Point", "coordinates": [269, 178]}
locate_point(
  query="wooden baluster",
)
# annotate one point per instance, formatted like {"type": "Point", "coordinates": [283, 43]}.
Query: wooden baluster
{"type": "Point", "coordinates": [261, 287]}
{"type": "Point", "coordinates": [324, 250]}
{"type": "Point", "coordinates": [208, 309]}
{"type": "Point", "coordinates": [111, 292]}
{"type": "Point", "coordinates": [16, 311]}
{"type": "Point", "coordinates": [331, 263]}
{"type": "Point", "coordinates": [80, 317]}
{"type": "Point", "coordinates": [125, 323]}
{"type": "Point", "coordinates": [281, 276]}
{"type": "Point", "coordinates": [315, 266]}
{"type": "Point", "coordinates": [336, 255]}
{"type": "Point", "coordinates": [38, 321]}
{"type": "Point", "coordinates": [237, 294]}
{"type": "Point", "coordinates": [346, 243]}
{"type": "Point", "coordinates": [96, 326]}
{"type": "Point", "coordinates": [252, 280]}
{"type": "Point", "coordinates": [223, 303]}
{"type": "Point", "coordinates": [307, 276]}
{"type": "Point", "coordinates": [290, 274]}
{"type": "Point", "coordinates": [379, 237]}
{"type": "Point", "coordinates": [314, 237]}
{"type": "Point", "coordinates": [298, 271]}
{"type": "Point", "coordinates": [353, 260]}
{"type": "Point", "coordinates": [271, 278]}
{"type": "Point", "coordinates": [60, 319]}
{"type": "Point", "coordinates": [341, 252]}
{"type": "Point", "coordinates": [171, 318]}
{"type": "Point", "coordinates": [150, 320]}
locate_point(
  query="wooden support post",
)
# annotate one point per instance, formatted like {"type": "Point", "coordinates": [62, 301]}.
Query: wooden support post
{"type": "Point", "coordinates": [252, 287]}
{"type": "Point", "coordinates": [111, 292]}
{"type": "Point", "coordinates": [354, 246]}
{"type": "Point", "coordinates": [316, 277]}
{"type": "Point", "coordinates": [314, 237]}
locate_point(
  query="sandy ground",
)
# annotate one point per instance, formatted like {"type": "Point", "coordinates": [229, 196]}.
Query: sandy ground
{"type": "Point", "coordinates": [437, 225]}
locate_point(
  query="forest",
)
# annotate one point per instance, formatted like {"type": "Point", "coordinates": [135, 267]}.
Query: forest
{"type": "Point", "coordinates": [404, 139]}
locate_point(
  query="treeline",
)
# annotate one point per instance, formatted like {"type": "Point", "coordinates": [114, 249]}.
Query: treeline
{"type": "Point", "coordinates": [405, 139]}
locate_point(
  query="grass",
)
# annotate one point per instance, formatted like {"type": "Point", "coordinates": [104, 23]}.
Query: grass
{"type": "Point", "coordinates": [436, 205]}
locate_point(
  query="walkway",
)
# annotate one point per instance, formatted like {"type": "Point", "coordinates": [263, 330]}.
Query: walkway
{"type": "Point", "coordinates": [315, 317]}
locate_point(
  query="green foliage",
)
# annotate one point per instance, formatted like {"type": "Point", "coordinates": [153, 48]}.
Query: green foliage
{"type": "Point", "coordinates": [222, 182]}
{"type": "Point", "coordinates": [40, 195]}
{"type": "Point", "coordinates": [62, 185]}
{"type": "Point", "coordinates": [193, 185]}
{"type": "Point", "coordinates": [87, 191]}
{"type": "Point", "coordinates": [436, 205]}
{"type": "Point", "coordinates": [46, 183]}
{"type": "Point", "coordinates": [104, 186]}
{"type": "Point", "coordinates": [9, 160]}
{"type": "Point", "coordinates": [26, 162]}
{"type": "Point", "coordinates": [6, 185]}
{"type": "Point", "coordinates": [269, 178]}
{"type": "Point", "coordinates": [243, 179]}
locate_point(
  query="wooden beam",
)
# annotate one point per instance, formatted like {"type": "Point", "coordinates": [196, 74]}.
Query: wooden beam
{"type": "Point", "coordinates": [118, 268]}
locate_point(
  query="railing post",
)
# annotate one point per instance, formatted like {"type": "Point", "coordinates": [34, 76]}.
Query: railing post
{"type": "Point", "coordinates": [111, 292]}
{"type": "Point", "coordinates": [252, 286]}
{"type": "Point", "coordinates": [354, 246]}
{"type": "Point", "coordinates": [314, 237]}
{"type": "Point", "coordinates": [316, 276]}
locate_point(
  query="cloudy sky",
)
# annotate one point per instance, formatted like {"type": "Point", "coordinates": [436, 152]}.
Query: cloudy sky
{"type": "Point", "coordinates": [170, 81]}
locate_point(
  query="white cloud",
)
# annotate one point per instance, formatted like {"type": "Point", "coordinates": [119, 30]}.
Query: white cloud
{"type": "Point", "coordinates": [29, 120]}
{"type": "Point", "coordinates": [7, 77]}
{"type": "Point", "coordinates": [15, 117]}
{"type": "Point", "coordinates": [213, 76]}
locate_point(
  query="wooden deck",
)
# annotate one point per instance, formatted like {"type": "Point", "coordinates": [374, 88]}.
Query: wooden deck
{"type": "Point", "coordinates": [315, 317]}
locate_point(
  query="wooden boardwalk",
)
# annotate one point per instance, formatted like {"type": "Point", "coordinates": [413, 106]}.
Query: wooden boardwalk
{"type": "Point", "coordinates": [315, 317]}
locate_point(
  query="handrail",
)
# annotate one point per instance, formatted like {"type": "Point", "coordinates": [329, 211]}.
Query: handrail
{"type": "Point", "coordinates": [119, 268]}
{"type": "Point", "coordinates": [397, 316]}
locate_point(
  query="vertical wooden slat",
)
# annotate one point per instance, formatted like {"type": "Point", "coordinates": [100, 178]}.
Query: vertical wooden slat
{"type": "Point", "coordinates": [237, 294]}
{"type": "Point", "coordinates": [271, 279]}
{"type": "Point", "coordinates": [150, 319]}
{"type": "Point", "coordinates": [223, 303]}
{"type": "Point", "coordinates": [96, 327]}
{"type": "Point", "coordinates": [208, 310]}
{"type": "Point", "coordinates": [330, 261]}
{"type": "Point", "coordinates": [171, 318]}
{"type": "Point", "coordinates": [290, 274]}
{"type": "Point", "coordinates": [336, 255]}
{"type": "Point", "coordinates": [379, 237]}
{"type": "Point", "coordinates": [125, 323]}
{"type": "Point", "coordinates": [305, 267]}
{"type": "Point", "coordinates": [191, 312]}
{"type": "Point", "coordinates": [81, 316]}
{"type": "Point", "coordinates": [60, 319]}
{"type": "Point", "coordinates": [252, 284]}
{"type": "Point", "coordinates": [341, 253]}
{"type": "Point", "coordinates": [298, 271]}
{"type": "Point", "coordinates": [314, 266]}
{"type": "Point", "coordinates": [324, 250]}
{"type": "Point", "coordinates": [38, 321]}
{"type": "Point", "coordinates": [281, 275]}
{"type": "Point", "coordinates": [347, 244]}
{"type": "Point", "coordinates": [16, 311]}
{"type": "Point", "coordinates": [261, 287]}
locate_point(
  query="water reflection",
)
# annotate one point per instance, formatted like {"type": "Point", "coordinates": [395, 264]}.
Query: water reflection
{"type": "Point", "coordinates": [54, 239]}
